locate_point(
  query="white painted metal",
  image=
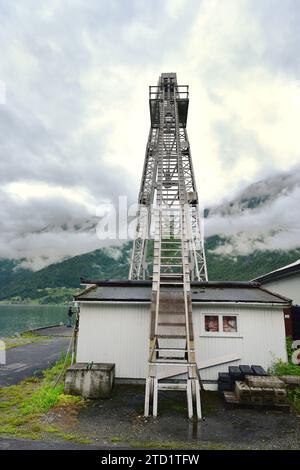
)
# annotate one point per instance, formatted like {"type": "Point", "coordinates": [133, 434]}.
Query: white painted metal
{"type": "Point", "coordinates": [189, 398]}
{"type": "Point", "coordinates": [115, 333]}
{"type": "Point", "coordinates": [118, 333]}
{"type": "Point", "coordinates": [260, 339]}
{"type": "Point", "coordinates": [155, 396]}
{"type": "Point", "coordinates": [288, 287]}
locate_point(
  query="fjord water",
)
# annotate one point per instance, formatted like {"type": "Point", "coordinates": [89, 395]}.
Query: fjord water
{"type": "Point", "coordinates": [15, 319]}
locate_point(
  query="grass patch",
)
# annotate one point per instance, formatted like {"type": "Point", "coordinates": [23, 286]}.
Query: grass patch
{"type": "Point", "coordinates": [294, 399]}
{"type": "Point", "coordinates": [280, 367]}
{"type": "Point", "coordinates": [51, 429]}
{"type": "Point", "coordinates": [116, 439]}
{"type": "Point", "coordinates": [284, 368]}
{"type": "Point", "coordinates": [42, 400]}
{"type": "Point", "coordinates": [23, 406]}
{"type": "Point", "coordinates": [46, 396]}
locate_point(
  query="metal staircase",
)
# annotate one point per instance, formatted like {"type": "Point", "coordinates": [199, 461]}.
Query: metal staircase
{"type": "Point", "coordinates": [169, 205]}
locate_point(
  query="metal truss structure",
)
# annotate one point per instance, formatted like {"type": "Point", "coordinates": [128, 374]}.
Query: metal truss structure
{"type": "Point", "coordinates": [167, 164]}
{"type": "Point", "coordinates": [169, 214]}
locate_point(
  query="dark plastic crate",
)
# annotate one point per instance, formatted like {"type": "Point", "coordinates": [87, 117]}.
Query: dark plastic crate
{"type": "Point", "coordinates": [246, 370]}
{"type": "Point", "coordinates": [225, 386]}
{"type": "Point", "coordinates": [235, 373]}
{"type": "Point", "coordinates": [224, 377]}
{"type": "Point", "coordinates": [259, 370]}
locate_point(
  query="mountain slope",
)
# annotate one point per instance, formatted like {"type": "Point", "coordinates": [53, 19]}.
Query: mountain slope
{"type": "Point", "coordinates": [244, 267]}
{"type": "Point", "coordinates": [58, 282]}
{"type": "Point", "coordinates": [256, 232]}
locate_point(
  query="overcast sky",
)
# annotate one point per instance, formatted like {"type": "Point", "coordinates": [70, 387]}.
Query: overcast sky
{"type": "Point", "coordinates": [75, 119]}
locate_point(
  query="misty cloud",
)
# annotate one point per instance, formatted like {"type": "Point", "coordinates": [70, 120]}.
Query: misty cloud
{"type": "Point", "coordinates": [275, 224]}
{"type": "Point", "coordinates": [76, 115]}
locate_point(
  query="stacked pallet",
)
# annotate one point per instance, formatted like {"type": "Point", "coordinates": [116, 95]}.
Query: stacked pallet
{"type": "Point", "coordinates": [291, 381]}
{"type": "Point", "coordinates": [226, 380]}
{"type": "Point", "coordinates": [259, 390]}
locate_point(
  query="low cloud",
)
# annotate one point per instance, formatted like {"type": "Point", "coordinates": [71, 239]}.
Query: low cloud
{"type": "Point", "coordinates": [275, 225]}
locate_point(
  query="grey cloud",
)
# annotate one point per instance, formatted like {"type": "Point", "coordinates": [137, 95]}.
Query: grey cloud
{"type": "Point", "coordinates": [235, 141]}
{"type": "Point", "coordinates": [279, 22]}
{"type": "Point", "coordinates": [274, 225]}
{"type": "Point", "coordinates": [47, 60]}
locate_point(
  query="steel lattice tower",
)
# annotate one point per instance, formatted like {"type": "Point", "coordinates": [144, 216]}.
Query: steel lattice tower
{"type": "Point", "coordinates": [169, 213]}
{"type": "Point", "coordinates": [168, 175]}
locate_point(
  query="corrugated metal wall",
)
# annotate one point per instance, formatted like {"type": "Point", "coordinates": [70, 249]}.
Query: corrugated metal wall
{"type": "Point", "coordinates": [118, 333]}
{"type": "Point", "coordinates": [259, 340]}
{"type": "Point", "coordinates": [288, 287]}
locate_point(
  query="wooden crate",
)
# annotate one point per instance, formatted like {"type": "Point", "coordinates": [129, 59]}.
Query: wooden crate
{"type": "Point", "coordinates": [264, 382]}
{"type": "Point", "coordinates": [242, 391]}
{"type": "Point", "coordinates": [280, 395]}
{"type": "Point", "coordinates": [233, 401]}
{"type": "Point", "coordinates": [256, 395]}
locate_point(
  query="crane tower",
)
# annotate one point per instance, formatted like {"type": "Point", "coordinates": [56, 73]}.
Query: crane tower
{"type": "Point", "coordinates": [168, 232]}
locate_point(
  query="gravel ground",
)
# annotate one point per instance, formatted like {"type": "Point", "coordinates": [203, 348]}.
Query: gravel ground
{"type": "Point", "coordinates": [119, 420]}
{"type": "Point", "coordinates": [24, 444]}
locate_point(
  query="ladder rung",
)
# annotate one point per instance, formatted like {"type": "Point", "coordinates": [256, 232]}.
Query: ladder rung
{"type": "Point", "coordinates": [170, 358]}
{"type": "Point", "coordinates": [173, 313]}
{"type": "Point", "coordinates": [171, 283]}
{"type": "Point", "coordinates": [171, 386]}
{"type": "Point", "coordinates": [171, 336]}
{"type": "Point", "coordinates": [168, 363]}
{"type": "Point", "coordinates": [169, 249]}
{"type": "Point", "coordinates": [173, 274]}
{"type": "Point", "coordinates": [171, 265]}
{"type": "Point", "coordinates": [171, 324]}
{"type": "Point", "coordinates": [173, 350]}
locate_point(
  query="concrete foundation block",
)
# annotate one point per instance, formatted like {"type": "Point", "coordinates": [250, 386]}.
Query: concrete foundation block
{"type": "Point", "coordinates": [90, 380]}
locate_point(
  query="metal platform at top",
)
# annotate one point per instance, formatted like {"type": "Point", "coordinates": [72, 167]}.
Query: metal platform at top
{"type": "Point", "coordinates": [156, 96]}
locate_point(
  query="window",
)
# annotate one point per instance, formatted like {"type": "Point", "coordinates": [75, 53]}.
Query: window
{"type": "Point", "coordinates": [220, 324]}
{"type": "Point", "coordinates": [229, 324]}
{"type": "Point", "coordinates": [211, 323]}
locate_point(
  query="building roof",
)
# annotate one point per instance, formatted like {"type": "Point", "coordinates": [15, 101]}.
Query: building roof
{"type": "Point", "coordinates": [285, 271]}
{"type": "Point", "coordinates": [140, 291]}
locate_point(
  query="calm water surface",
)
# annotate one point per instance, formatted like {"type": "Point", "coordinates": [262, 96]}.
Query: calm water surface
{"type": "Point", "coordinates": [17, 318]}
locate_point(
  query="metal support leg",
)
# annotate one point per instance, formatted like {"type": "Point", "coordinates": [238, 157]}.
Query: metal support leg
{"type": "Point", "coordinates": [155, 397]}
{"type": "Point", "coordinates": [148, 395]}
{"type": "Point", "coordinates": [189, 398]}
{"type": "Point", "coordinates": [198, 399]}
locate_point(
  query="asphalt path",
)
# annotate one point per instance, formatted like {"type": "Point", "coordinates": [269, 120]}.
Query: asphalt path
{"type": "Point", "coordinates": [31, 359]}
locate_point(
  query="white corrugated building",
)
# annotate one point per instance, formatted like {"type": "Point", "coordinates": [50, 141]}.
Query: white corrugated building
{"type": "Point", "coordinates": [286, 281]}
{"type": "Point", "coordinates": [234, 323]}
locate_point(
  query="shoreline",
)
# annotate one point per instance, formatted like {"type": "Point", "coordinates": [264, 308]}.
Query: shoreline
{"type": "Point", "coordinates": [16, 320]}
{"type": "Point", "coordinates": [25, 304]}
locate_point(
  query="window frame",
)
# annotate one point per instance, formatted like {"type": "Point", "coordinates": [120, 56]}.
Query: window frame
{"type": "Point", "coordinates": [220, 333]}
